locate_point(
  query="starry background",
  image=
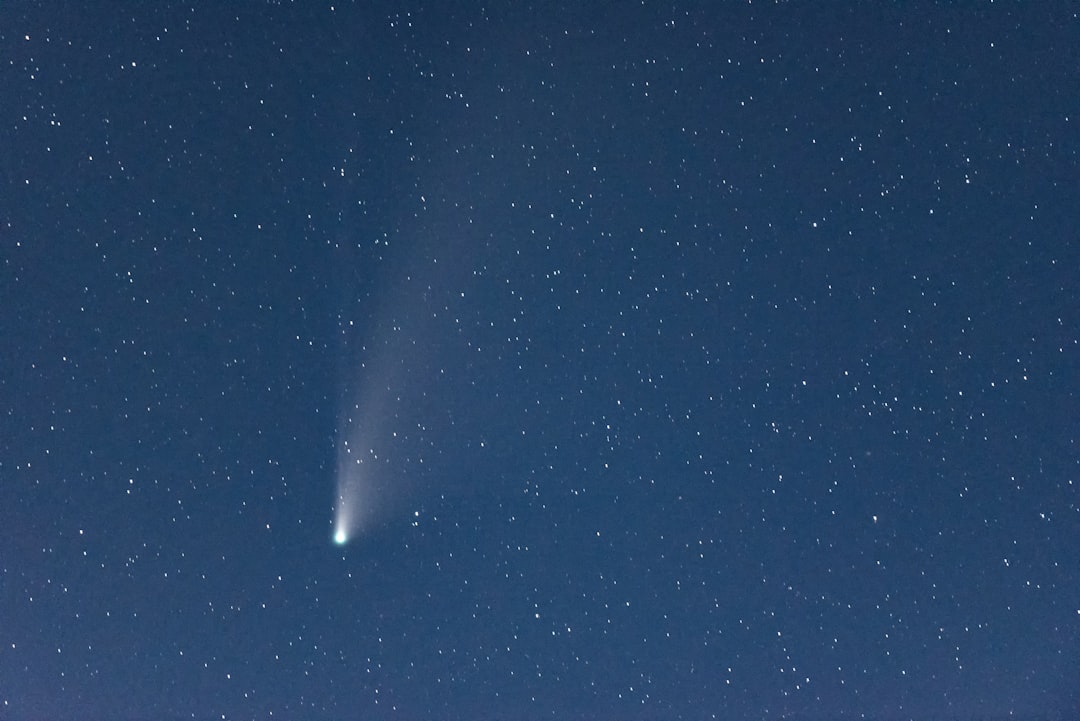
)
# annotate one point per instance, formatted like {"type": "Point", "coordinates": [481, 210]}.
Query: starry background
{"type": "Point", "coordinates": [708, 360]}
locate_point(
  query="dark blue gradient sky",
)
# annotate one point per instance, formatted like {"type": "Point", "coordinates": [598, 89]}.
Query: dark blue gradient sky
{"type": "Point", "coordinates": [707, 361]}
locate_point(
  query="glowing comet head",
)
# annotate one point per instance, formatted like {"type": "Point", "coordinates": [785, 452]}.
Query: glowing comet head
{"type": "Point", "coordinates": [343, 522]}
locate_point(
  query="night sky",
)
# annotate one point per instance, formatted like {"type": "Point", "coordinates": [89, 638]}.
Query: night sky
{"type": "Point", "coordinates": [654, 361]}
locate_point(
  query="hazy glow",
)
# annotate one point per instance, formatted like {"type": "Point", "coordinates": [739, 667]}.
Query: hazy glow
{"type": "Point", "coordinates": [354, 503]}
{"type": "Point", "coordinates": [349, 502]}
{"type": "Point", "coordinates": [376, 406]}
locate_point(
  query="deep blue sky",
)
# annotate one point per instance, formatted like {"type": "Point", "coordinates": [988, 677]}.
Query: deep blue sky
{"type": "Point", "coordinates": [708, 360]}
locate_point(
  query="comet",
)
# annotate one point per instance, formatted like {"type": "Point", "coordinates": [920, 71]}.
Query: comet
{"type": "Point", "coordinates": [350, 503]}
{"type": "Point", "coordinates": [342, 530]}
{"type": "Point", "coordinates": [360, 496]}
